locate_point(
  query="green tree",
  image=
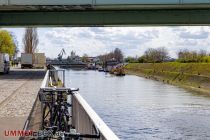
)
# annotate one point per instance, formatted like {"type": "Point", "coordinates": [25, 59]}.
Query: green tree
{"type": "Point", "coordinates": [141, 59]}
{"type": "Point", "coordinates": [6, 43]}
{"type": "Point", "coordinates": [130, 59]}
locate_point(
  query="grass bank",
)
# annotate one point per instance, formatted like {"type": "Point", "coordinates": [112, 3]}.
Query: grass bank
{"type": "Point", "coordinates": [193, 76]}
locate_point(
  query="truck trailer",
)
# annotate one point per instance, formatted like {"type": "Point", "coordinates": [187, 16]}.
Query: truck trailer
{"type": "Point", "coordinates": [4, 63]}
{"type": "Point", "coordinates": [39, 60]}
{"type": "Point", "coordinates": [26, 60]}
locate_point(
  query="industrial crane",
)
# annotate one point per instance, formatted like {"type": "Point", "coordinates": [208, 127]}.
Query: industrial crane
{"type": "Point", "coordinates": [60, 55]}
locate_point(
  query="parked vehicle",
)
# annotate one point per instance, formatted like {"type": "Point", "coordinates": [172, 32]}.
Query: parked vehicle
{"type": "Point", "coordinates": [4, 63]}
{"type": "Point", "coordinates": [39, 60]}
{"type": "Point", "coordinates": [36, 60]}
{"type": "Point", "coordinates": [26, 60]}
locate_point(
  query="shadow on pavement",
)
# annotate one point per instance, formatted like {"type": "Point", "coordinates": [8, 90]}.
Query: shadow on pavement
{"type": "Point", "coordinates": [24, 74]}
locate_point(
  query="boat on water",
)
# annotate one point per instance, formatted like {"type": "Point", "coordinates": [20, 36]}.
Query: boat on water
{"type": "Point", "coordinates": [118, 70]}
{"type": "Point", "coordinates": [100, 69]}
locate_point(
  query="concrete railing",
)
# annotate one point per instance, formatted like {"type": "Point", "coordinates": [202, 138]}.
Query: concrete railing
{"type": "Point", "coordinates": [85, 119]}
{"type": "Point", "coordinates": [45, 81]}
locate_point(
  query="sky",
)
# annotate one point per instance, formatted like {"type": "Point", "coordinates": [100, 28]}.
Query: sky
{"type": "Point", "coordinates": [133, 41]}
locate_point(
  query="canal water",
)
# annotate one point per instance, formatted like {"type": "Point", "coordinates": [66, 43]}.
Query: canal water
{"type": "Point", "coordinates": [137, 108]}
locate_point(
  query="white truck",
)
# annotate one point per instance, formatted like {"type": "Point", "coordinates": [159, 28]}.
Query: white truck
{"type": "Point", "coordinates": [26, 60]}
{"type": "Point", "coordinates": [4, 63]}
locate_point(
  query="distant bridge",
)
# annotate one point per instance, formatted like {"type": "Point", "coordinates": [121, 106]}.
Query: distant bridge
{"type": "Point", "coordinates": [104, 12]}
{"type": "Point", "coordinates": [67, 64]}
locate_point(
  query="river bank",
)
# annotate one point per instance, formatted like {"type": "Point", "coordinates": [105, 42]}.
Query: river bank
{"type": "Point", "coordinates": [191, 76]}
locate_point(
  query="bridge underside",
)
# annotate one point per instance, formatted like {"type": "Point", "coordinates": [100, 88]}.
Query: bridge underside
{"type": "Point", "coordinates": [87, 15]}
{"type": "Point", "coordinates": [105, 18]}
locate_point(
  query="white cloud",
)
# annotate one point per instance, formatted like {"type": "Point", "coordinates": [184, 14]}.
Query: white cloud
{"type": "Point", "coordinates": [132, 40]}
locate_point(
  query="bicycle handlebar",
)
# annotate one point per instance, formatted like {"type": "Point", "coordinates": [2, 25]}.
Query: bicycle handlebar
{"type": "Point", "coordinates": [59, 89]}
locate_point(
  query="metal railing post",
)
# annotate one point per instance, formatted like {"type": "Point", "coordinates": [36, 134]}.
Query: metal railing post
{"type": "Point", "coordinates": [63, 78]}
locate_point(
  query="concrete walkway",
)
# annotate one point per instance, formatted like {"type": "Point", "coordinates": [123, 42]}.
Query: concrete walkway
{"type": "Point", "coordinates": [18, 91]}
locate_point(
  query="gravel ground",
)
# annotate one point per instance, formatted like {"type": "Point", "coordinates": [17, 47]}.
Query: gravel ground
{"type": "Point", "coordinates": [18, 91]}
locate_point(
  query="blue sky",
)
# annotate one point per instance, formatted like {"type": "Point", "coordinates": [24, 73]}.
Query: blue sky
{"type": "Point", "coordinates": [131, 40]}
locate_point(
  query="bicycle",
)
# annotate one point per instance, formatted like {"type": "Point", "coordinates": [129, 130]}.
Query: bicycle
{"type": "Point", "coordinates": [56, 117]}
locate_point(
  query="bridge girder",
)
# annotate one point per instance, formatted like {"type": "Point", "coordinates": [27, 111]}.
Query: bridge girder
{"type": "Point", "coordinates": [104, 12]}
{"type": "Point", "coordinates": [106, 17]}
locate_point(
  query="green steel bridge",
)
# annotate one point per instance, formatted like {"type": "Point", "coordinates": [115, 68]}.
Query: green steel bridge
{"type": "Point", "coordinates": [104, 12]}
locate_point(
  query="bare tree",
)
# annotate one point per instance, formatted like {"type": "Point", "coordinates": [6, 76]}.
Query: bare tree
{"type": "Point", "coordinates": [118, 55]}
{"type": "Point", "coordinates": [156, 55]}
{"type": "Point", "coordinates": [187, 56]}
{"type": "Point", "coordinates": [202, 52]}
{"type": "Point", "coordinates": [151, 55]}
{"type": "Point", "coordinates": [162, 54]}
{"type": "Point", "coordinates": [30, 40]}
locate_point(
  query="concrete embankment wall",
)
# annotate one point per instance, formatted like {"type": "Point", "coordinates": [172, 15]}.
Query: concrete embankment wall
{"type": "Point", "coordinates": [193, 76]}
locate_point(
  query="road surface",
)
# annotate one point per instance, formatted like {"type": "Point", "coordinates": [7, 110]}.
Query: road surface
{"type": "Point", "coordinates": [18, 91]}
